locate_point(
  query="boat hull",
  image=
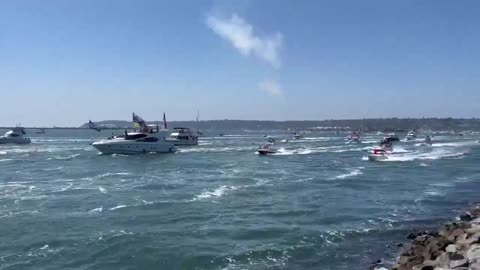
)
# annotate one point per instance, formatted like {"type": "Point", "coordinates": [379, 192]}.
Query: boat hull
{"type": "Point", "coordinates": [109, 148]}
{"type": "Point", "coordinates": [266, 152]}
{"type": "Point", "coordinates": [17, 140]}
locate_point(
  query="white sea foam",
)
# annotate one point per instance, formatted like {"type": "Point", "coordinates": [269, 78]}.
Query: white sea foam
{"type": "Point", "coordinates": [218, 192]}
{"type": "Point", "coordinates": [101, 189]}
{"type": "Point", "coordinates": [431, 155]}
{"type": "Point", "coordinates": [96, 210]}
{"type": "Point", "coordinates": [112, 174]}
{"type": "Point", "coordinates": [6, 159]}
{"type": "Point", "coordinates": [53, 169]}
{"type": "Point", "coordinates": [117, 207]}
{"type": "Point", "coordinates": [64, 158]}
{"type": "Point", "coordinates": [216, 149]}
{"type": "Point", "coordinates": [353, 172]}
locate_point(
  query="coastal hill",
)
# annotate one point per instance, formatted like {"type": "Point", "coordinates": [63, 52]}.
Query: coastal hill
{"type": "Point", "coordinates": [384, 124]}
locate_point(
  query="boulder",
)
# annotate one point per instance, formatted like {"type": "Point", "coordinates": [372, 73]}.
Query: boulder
{"type": "Point", "coordinates": [453, 235]}
{"type": "Point", "coordinates": [466, 217]}
{"type": "Point", "coordinates": [403, 260]}
{"type": "Point", "coordinates": [451, 248]}
{"type": "Point", "coordinates": [411, 236]}
{"type": "Point", "coordinates": [473, 253]}
{"type": "Point", "coordinates": [473, 229]}
{"type": "Point", "coordinates": [475, 266]}
{"type": "Point", "coordinates": [457, 260]}
{"type": "Point", "coordinates": [413, 261]}
{"type": "Point", "coordinates": [443, 260]}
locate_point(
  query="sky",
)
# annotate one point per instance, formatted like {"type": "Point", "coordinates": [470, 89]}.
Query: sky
{"type": "Point", "coordinates": [65, 62]}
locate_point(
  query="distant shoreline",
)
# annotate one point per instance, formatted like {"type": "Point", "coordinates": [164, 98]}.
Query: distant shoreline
{"type": "Point", "coordinates": [372, 124]}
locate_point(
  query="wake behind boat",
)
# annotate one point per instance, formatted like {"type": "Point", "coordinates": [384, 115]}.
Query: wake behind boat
{"type": "Point", "coordinates": [147, 139]}
{"type": "Point", "coordinates": [16, 136]}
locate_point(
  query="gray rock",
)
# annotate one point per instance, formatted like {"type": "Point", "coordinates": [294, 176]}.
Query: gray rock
{"type": "Point", "coordinates": [473, 253]}
{"type": "Point", "coordinates": [443, 260]}
{"type": "Point", "coordinates": [453, 235]}
{"type": "Point", "coordinates": [451, 248]}
{"type": "Point", "coordinates": [457, 260]}
{"type": "Point", "coordinates": [475, 266]}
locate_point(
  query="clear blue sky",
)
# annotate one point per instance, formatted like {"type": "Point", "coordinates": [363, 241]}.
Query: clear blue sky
{"type": "Point", "coordinates": [64, 62]}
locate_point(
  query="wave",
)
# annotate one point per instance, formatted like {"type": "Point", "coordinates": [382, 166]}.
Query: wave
{"type": "Point", "coordinates": [433, 155]}
{"type": "Point", "coordinates": [64, 158]}
{"type": "Point", "coordinates": [117, 207]}
{"type": "Point", "coordinates": [112, 174]}
{"type": "Point", "coordinates": [218, 192]}
{"type": "Point", "coordinates": [353, 172]}
{"type": "Point", "coordinates": [215, 150]}
{"type": "Point", "coordinates": [53, 169]}
{"type": "Point", "coordinates": [6, 159]}
{"type": "Point", "coordinates": [96, 210]}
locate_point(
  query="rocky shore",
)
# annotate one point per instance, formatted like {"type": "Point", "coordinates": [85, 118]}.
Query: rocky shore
{"type": "Point", "coordinates": [455, 246]}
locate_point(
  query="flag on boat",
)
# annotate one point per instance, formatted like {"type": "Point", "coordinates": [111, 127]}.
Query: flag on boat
{"type": "Point", "coordinates": [164, 121]}
{"type": "Point", "coordinates": [93, 126]}
{"type": "Point", "coordinates": [138, 122]}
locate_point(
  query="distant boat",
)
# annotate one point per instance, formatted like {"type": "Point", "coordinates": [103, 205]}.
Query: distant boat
{"type": "Point", "coordinates": [40, 131]}
{"type": "Point", "coordinates": [411, 135]}
{"type": "Point", "coordinates": [183, 136]}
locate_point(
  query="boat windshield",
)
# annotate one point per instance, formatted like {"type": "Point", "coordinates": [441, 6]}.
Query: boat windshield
{"type": "Point", "coordinates": [135, 136]}
{"type": "Point", "coordinates": [149, 139]}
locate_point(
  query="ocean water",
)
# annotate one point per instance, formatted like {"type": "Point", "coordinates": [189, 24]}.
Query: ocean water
{"type": "Point", "coordinates": [317, 204]}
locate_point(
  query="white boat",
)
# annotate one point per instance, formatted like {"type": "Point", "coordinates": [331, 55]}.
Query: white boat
{"type": "Point", "coordinates": [148, 139]}
{"type": "Point", "coordinates": [297, 136]}
{"type": "Point", "coordinates": [136, 143]}
{"type": "Point", "coordinates": [411, 135]}
{"type": "Point", "coordinates": [16, 135]}
{"type": "Point", "coordinates": [40, 131]}
{"type": "Point", "coordinates": [183, 136]}
{"type": "Point", "coordinates": [267, 149]}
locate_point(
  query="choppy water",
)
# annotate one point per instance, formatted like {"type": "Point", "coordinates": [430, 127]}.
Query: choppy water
{"type": "Point", "coordinates": [318, 204]}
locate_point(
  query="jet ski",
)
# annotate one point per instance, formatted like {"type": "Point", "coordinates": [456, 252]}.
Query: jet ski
{"type": "Point", "coordinates": [428, 140]}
